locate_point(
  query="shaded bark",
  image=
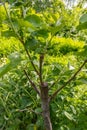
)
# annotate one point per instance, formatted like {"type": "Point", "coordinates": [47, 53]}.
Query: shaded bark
{"type": "Point", "coordinates": [45, 106]}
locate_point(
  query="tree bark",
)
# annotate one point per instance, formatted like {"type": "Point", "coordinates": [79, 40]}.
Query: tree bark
{"type": "Point", "coordinates": [45, 106]}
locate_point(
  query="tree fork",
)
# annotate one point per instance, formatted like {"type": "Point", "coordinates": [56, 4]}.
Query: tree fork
{"type": "Point", "coordinates": [45, 106]}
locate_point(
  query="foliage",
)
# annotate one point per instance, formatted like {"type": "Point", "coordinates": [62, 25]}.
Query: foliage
{"type": "Point", "coordinates": [8, 46]}
{"type": "Point", "coordinates": [83, 22]}
{"type": "Point", "coordinates": [65, 45]}
{"type": "Point", "coordinates": [52, 32]}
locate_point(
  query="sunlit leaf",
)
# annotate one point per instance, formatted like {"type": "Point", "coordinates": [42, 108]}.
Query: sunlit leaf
{"type": "Point", "coordinates": [14, 61]}
{"type": "Point", "coordinates": [69, 116]}
{"type": "Point", "coordinates": [83, 22]}
{"type": "Point", "coordinates": [35, 20]}
{"type": "Point", "coordinates": [83, 19]}
{"type": "Point", "coordinates": [4, 69]}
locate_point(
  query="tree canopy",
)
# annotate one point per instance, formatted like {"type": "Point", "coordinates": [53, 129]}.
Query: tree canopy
{"type": "Point", "coordinates": [43, 63]}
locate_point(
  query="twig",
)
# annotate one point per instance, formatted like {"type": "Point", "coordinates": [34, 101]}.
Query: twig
{"type": "Point", "coordinates": [58, 90]}
{"type": "Point", "coordinates": [20, 39]}
{"type": "Point", "coordinates": [32, 83]}
{"type": "Point", "coordinates": [28, 109]}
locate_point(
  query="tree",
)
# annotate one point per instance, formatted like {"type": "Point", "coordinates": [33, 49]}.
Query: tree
{"type": "Point", "coordinates": [36, 32]}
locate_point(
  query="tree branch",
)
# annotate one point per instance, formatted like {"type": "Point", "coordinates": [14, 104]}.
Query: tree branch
{"type": "Point", "coordinates": [32, 83]}
{"type": "Point", "coordinates": [20, 39]}
{"type": "Point", "coordinates": [72, 77]}
{"type": "Point", "coordinates": [41, 64]}
{"type": "Point", "coordinates": [28, 54]}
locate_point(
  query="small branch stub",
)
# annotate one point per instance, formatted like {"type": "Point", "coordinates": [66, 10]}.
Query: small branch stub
{"type": "Point", "coordinates": [44, 91]}
{"type": "Point", "coordinates": [41, 65]}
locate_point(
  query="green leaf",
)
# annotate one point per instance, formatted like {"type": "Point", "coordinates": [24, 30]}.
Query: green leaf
{"type": "Point", "coordinates": [18, 3]}
{"type": "Point", "coordinates": [83, 80]}
{"type": "Point", "coordinates": [11, 1]}
{"type": "Point", "coordinates": [30, 127]}
{"type": "Point", "coordinates": [82, 26]}
{"type": "Point", "coordinates": [38, 110]}
{"type": "Point", "coordinates": [35, 20]}
{"type": "Point", "coordinates": [56, 69]}
{"type": "Point", "coordinates": [83, 19]}
{"type": "Point", "coordinates": [54, 30]}
{"type": "Point", "coordinates": [41, 33]}
{"type": "Point", "coordinates": [73, 109]}
{"type": "Point", "coordinates": [4, 69]}
{"type": "Point", "coordinates": [31, 43]}
{"type": "Point", "coordinates": [29, 27]}
{"type": "Point", "coordinates": [14, 61]}
{"type": "Point", "coordinates": [83, 22]}
{"type": "Point", "coordinates": [69, 116]}
{"type": "Point", "coordinates": [8, 33]}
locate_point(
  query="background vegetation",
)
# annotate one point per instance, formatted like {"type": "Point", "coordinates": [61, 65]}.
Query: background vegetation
{"type": "Point", "coordinates": [36, 22]}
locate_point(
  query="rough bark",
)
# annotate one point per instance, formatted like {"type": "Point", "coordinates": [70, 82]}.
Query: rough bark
{"type": "Point", "coordinates": [45, 106]}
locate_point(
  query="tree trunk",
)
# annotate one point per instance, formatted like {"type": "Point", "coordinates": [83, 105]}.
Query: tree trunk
{"type": "Point", "coordinates": [45, 106]}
